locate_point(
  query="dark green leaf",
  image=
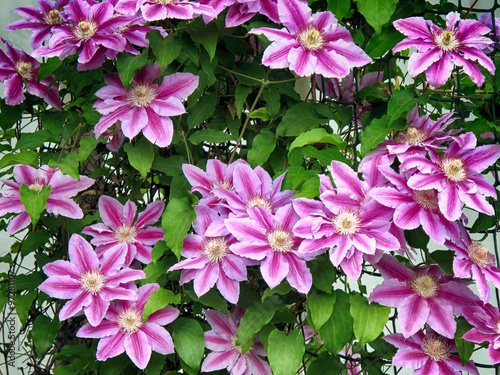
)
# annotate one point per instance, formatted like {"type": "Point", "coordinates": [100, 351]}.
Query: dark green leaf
{"type": "Point", "coordinates": [189, 341]}
{"type": "Point", "coordinates": [158, 300]}
{"type": "Point", "coordinates": [299, 119]}
{"type": "Point", "coordinates": [34, 202]}
{"type": "Point", "coordinates": [140, 156]}
{"type": "Point", "coordinates": [210, 136]}
{"type": "Point", "coordinates": [256, 316]}
{"type": "Point", "coordinates": [44, 333]}
{"type": "Point", "coordinates": [338, 330]}
{"type": "Point", "coordinates": [30, 281]}
{"type": "Point", "coordinates": [154, 271]}
{"type": "Point", "coordinates": [483, 223]}
{"type": "Point", "coordinates": [377, 12]}
{"type": "Point", "coordinates": [202, 110]}
{"type": "Point", "coordinates": [374, 134]}
{"type": "Point", "coordinates": [325, 364]}
{"type": "Point", "coordinates": [48, 67]}
{"type": "Point", "coordinates": [402, 101]}
{"type": "Point", "coordinates": [171, 166]}
{"type": "Point", "coordinates": [444, 259]}
{"type": "Point", "coordinates": [206, 37]}
{"type": "Point", "coordinates": [262, 147]}
{"type": "Point", "coordinates": [465, 348]}
{"type": "Point", "coordinates": [240, 95]}
{"type": "Point", "coordinates": [285, 352]}
{"type": "Point", "coordinates": [127, 65]}
{"type": "Point", "coordinates": [23, 157]}
{"type": "Point", "coordinates": [34, 241]}
{"type": "Point", "coordinates": [380, 44]}
{"type": "Point", "coordinates": [272, 98]}
{"type": "Point", "coordinates": [212, 298]}
{"type": "Point", "coordinates": [417, 238]}
{"type": "Point", "coordinates": [166, 50]}
{"type": "Point", "coordinates": [369, 318]}
{"type": "Point", "coordinates": [176, 221]}
{"type": "Point", "coordinates": [320, 307]}
{"type": "Point", "coordinates": [33, 140]}
{"type": "Point", "coordinates": [22, 305]}
{"type": "Point", "coordinates": [323, 273]}
{"type": "Point", "coordinates": [340, 8]}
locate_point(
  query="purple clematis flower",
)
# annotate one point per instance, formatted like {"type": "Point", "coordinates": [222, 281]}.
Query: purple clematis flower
{"type": "Point", "coordinates": [90, 284]}
{"type": "Point", "coordinates": [123, 330]}
{"type": "Point", "coordinates": [16, 68]}
{"type": "Point", "coordinates": [89, 31]}
{"type": "Point", "coordinates": [428, 354]}
{"type": "Point", "coordinates": [486, 19]}
{"type": "Point", "coordinates": [118, 228]}
{"type": "Point", "coordinates": [440, 50]}
{"type": "Point", "coordinates": [146, 106]}
{"type": "Point", "coordinates": [225, 353]}
{"type": "Point", "coordinates": [209, 258]}
{"type": "Point", "coordinates": [310, 43]}
{"type": "Point", "coordinates": [473, 260]}
{"type": "Point", "coordinates": [155, 10]}
{"type": "Point", "coordinates": [421, 296]}
{"type": "Point", "coordinates": [59, 202]}
{"type": "Point", "coordinates": [486, 321]}
{"type": "Point", "coordinates": [269, 238]}
{"type": "Point", "coordinates": [240, 11]}
{"type": "Point", "coordinates": [456, 175]}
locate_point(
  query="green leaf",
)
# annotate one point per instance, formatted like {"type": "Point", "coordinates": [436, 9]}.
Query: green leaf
{"type": "Point", "coordinates": [127, 65]}
{"type": "Point", "coordinates": [202, 110]}
{"type": "Point", "coordinates": [87, 145]}
{"type": "Point", "coordinates": [240, 95]}
{"type": "Point", "coordinates": [402, 101]}
{"type": "Point", "coordinates": [34, 241]}
{"type": "Point", "coordinates": [22, 304]}
{"type": "Point", "coordinates": [34, 202]}
{"type": "Point", "coordinates": [207, 38]}
{"type": "Point", "coordinates": [212, 298]}
{"type": "Point", "coordinates": [369, 318]}
{"type": "Point", "coordinates": [465, 348]}
{"type": "Point", "coordinates": [340, 8]}
{"type": "Point", "coordinates": [176, 222]}
{"type": "Point", "coordinates": [317, 136]}
{"type": "Point", "coordinates": [44, 333]}
{"type": "Point", "coordinates": [189, 341]}
{"type": "Point", "coordinates": [444, 259]}
{"type": "Point", "coordinates": [300, 118]}
{"type": "Point", "coordinates": [325, 364]}
{"type": "Point", "coordinates": [282, 289]}
{"type": "Point", "coordinates": [308, 189]}
{"type": "Point", "coordinates": [285, 352]}
{"type": "Point", "coordinates": [381, 43]}
{"type": "Point", "coordinates": [323, 273]}
{"type": "Point", "coordinates": [320, 307]}
{"type": "Point", "coordinates": [263, 145]}
{"type": "Point", "coordinates": [154, 270]}
{"type": "Point", "coordinates": [29, 281]}
{"type": "Point", "coordinates": [140, 156]}
{"type": "Point", "coordinates": [68, 165]}
{"type": "Point", "coordinates": [374, 134]}
{"type": "Point", "coordinates": [171, 166]}
{"type": "Point", "coordinates": [273, 101]}
{"type": "Point", "coordinates": [260, 113]}
{"type": "Point", "coordinates": [158, 300]}
{"type": "Point", "coordinates": [166, 50]}
{"type": "Point", "coordinates": [256, 316]}
{"type": "Point", "coordinates": [377, 12]}
{"type": "Point", "coordinates": [49, 67]}
{"type": "Point", "coordinates": [23, 157]}
{"type": "Point", "coordinates": [33, 140]}
{"type": "Point", "coordinates": [417, 238]}
{"type": "Point", "coordinates": [338, 330]}
{"type": "Point", "coordinates": [210, 136]}
{"type": "Point", "coordinates": [483, 223]}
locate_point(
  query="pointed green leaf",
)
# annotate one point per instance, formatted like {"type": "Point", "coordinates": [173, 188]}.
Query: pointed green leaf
{"type": "Point", "coordinates": [22, 304]}
{"type": "Point", "coordinates": [374, 134]}
{"type": "Point", "coordinates": [158, 300]}
{"type": "Point", "coordinates": [317, 136]}
{"type": "Point", "coordinates": [263, 145]}
{"type": "Point", "coordinates": [256, 316]}
{"type": "Point", "coordinates": [300, 118]}
{"type": "Point", "coordinates": [338, 330]}
{"type": "Point", "coordinates": [285, 352]}
{"type": "Point", "coordinates": [320, 307]}
{"type": "Point", "coordinates": [240, 95]}
{"type": "Point", "coordinates": [127, 65]}
{"type": "Point", "coordinates": [325, 364]}
{"type": "Point", "coordinates": [207, 38]}
{"type": "Point", "coordinates": [340, 8]}
{"type": "Point", "coordinates": [369, 318]}
{"type": "Point", "coordinates": [34, 202]}
{"type": "Point", "coordinates": [68, 164]}
{"type": "Point", "coordinates": [23, 157]}
{"type": "Point", "coordinates": [176, 221]}
{"type": "Point", "coordinates": [189, 342]}
{"type": "Point", "coordinates": [401, 101]}
{"type": "Point", "coordinates": [210, 136]}
{"type": "Point", "coordinates": [377, 12]}
{"type": "Point", "coordinates": [465, 348]}
{"type": "Point", "coordinates": [202, 110]}
{"type": "Point", "coordinates": [48, 67]}
{"type": "Point", "coordinates": [166, 50]}
{"type": "Point", "coordinates": [44, 333]}
{"type": "Point", "coordinates": [33, 140]}
{"type": "Point", "coordinates": [140, 156]}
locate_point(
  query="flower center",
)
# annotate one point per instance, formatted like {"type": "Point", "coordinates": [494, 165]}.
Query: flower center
{"type": "Point", "coordinates": [436, 347]}
{"type": "Point", "coordinates": [37, 187]}
{"type": "Point", "coordinates": [85, 30]}
{"type": "Point", "coordinates": [126, 234]}
{"type": "Point", "coordinates": [412, 136]}
{"type": "Point", "coordinates": [258, 200]}
{"type": "Point", "coordinates": [311, 39]}
{"type": "Point", "coordinates": [214, 249]}
{"type": "Point", "coordinates": [454, 170]}
{"type": "Point", "coordinates": [447, 41]}
{"type": "Point", "coordinates": [426, 198]}
{"type": "Point", "coordinates": [92, 282]}
{"type": "Point", "coordinates": [164, 2]}
{"type": "Point", "coordinates": [25, 70]}
{"type": "Point", "coordinates": [129, 320]}
{"type": "Point", "coordinates": [424, 285]}
{"type": "Point", "coordinates": [280, 240]}
{"type": "Point", "coordinates": [480, 255]}
{"type": "Point", "coordinates": [51, 18]}
{"type": "Point", "coordinates": [142, 95]}
{"type": "Point", "coordinates": [347, 223]}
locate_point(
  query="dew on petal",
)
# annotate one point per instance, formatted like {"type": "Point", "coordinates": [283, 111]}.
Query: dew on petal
{"type": "Point", "coordinates": [142, 95]}
{"type": "Point", "coordinates": [85, 30]}
{"type": "Point", "coordinates": [215, 249]}
{"type": "Point", "coordinates": [92, 281]}
{"type": "Point", "coordinates": [258, 200]}
{"type": "Point", "coordinates": [126, 234]}
{"type": "Point", "coordinates": [454, 170]}
{"type": "Point", "coordinates": [447, 40]}
{"type": "Point", "coordinates": [480, 255]}
{"type": "Point", "coordinates": [25, 70]}
{"type": "Point", "coordinates": [280, 240]}
{"type": "Point", "coordinates": [129, 320]}
{"type": "Point", "coordinates": [436, 347]}
{"type": "Point", "coordinates": [347, 223]}
{"type": "Point", "coordinates": [311, 38]}
{"type": "Point", "coordinates": [426, 198]}
{"type": "Point", "coordinates": [423, 284]}
{"type": "Point", "coordinates": [51, 18]}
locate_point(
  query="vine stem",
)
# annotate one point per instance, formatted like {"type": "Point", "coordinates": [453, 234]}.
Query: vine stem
{"type": "Point", "coordinates": [471, 7]}
{"type": "Point", "coordinates": [247, 120]}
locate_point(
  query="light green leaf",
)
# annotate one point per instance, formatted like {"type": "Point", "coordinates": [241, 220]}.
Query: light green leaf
{"type": "Point", "coordinates": [401, 101]}
{"type": "Point", "coordinates": [338, 330]}
{"type": "Point", "coordinates": [166, 50]}
{"type": "Point", "coordinates": [300, 118]}
{"type": "Point", "coordinates": [377, 12]}
{"type": "Point", "coordinates": [207, 38]}
{"type": "Point", "coordinates": [154, 270]}
{"type": "Point", "coordinates": [374, 134]}
{"type": "Point", "coordinates": [127, 65]}
{"type": "Point", "coordinates": [48, 67]}
{"type": "Point", "coordinates": [210, 136]}
{"type": "Point", "coordinates": [212, 298]}
{"type": "Point", "coordinates": [44, 333]}
{"type": "Point", "coordinates": [381, 43]}
{"type": "Point", "coordinates": [140, 156]}
{"type": "Point", "coordinates": [262, 146]}
{"type": "Point", "coordinates": [33, 140]}
{"type": "Point", "coordinates": [87, 145]}
{"type": "Point", "coordinates": [260, 113]}
{"type": "Point", "coordinates": [309, 188]}
{"type": "Point", "coordinates": [256, 316]}
{"type": "Point", "coordinates": [320, 307]}
{"type": "Point", "coordinates": [176, 221]}
{"type": "Point", "coordinates": [34, 202]}
{"type": "Point", "coordinates": [22, 305]}
{"type": "Point", "coordinates": [202, 110]}
{"type": "Point", "coordinates": [23, 157]}
{"type": "Point", "coordinates": [317, 136]}
{"type": "Point", "coordinates": [339, 7]}
{"type": "Point", "coordinates": [158, 300]}
{"type": "Point", "coordinates": [189, 341]}
{"type": "Point", "coordinates": [369, 318]}
{"type": "Point", "coordinates": [285, 352]}
{"type": "Point", "coordinates": [68, 165]}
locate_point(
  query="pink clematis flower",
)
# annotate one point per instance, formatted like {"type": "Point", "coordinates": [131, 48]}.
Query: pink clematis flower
{"type": "Point", "coordinates": [209, 260]}
{"type": "Point", "coordinates": [146, 106]}
{"type": "Point", "coordinates": [310, 43]}
{"type": "Point", "coordinates": [456, 175]}
{"type": "Point", "coordinates": [118, 228]}
{"type": "Point", "coordinates": [440, 50]}
{"type": "Point", "coordinates": [269, 239]}
{"type": "Point", "coordinates": [155, 10]}
{"type": "Point", "coordinates": [428, 354]}
{"type": "Point", "coordinates": [90, 284]}
{"type": "Point", "coordinates": [473, 260]}
{"type": "Point", "coordinates": [225, 353]}
{"type": "Point", "coordinates": [123, 330]}
{"type": "Point", "coordinates": [421, 296]}
{"type": "Point", "coordinates": [18, 68]}
{"type": "Point", "coordinates": [486, 321]}
{"type": "Point", "coordinates": [59, 202]}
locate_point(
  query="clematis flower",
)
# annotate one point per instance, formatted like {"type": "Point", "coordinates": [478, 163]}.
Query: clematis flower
{"type": "Point", "coordinates": [90, 284]}
{"type": "Point", "coordinates": [118, 228]}
{"type": "Point", "coordinates": [421, 296]}
{"type": "Point", "coordinates": [310, 43]}
{"type": "Point", "coordinates": [89, 31]}
{"type": "Point", "coordinates": [63, 187]}
{"type": "Point", "coordinates": [486, 321]}
{"type": "Point", "coordinates": [486, 19]}
{"type": "Point", "coordinates": [39, 21]}
{"type": "Point", "coordinates": [146, 106]}
{"type": "Point", "coordinates": [18, 68]}
{"type": "Point", "coordinates": [269, 239]}
{"type": "Point", "coordinates": [155, 10]}
{"type": "Point", "coordinates": [428, 354]}
{"type": "Point", "coordinates": [473, 260]}
{"type": "Point", "coordinates": [456, 175]}
{"type": "Point", "coordinates": [123, 330]}
{"type": "Point", "coordinates": [440, 50]}
{"type": "Point", "coordinates": [225, 353]}
{"type": "Point", "coordinates": [209, 260]}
